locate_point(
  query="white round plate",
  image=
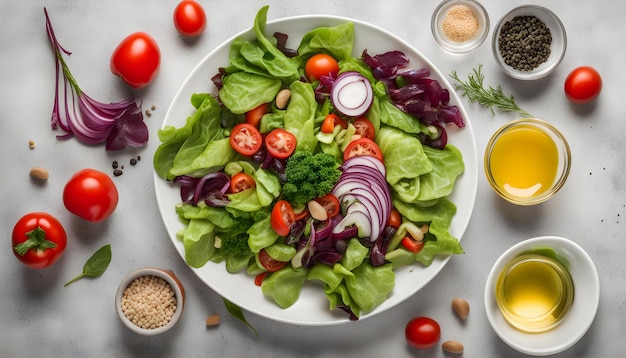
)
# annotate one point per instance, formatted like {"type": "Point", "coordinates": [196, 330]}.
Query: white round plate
{"type": "Point", "coordinates": [578, 319]}
{"type": "Point", "coordinates": [312, 306]}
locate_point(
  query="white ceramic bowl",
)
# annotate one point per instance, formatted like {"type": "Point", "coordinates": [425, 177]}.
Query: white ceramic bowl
{"type": "Point", "coordinates": [558, 46]}
{"type": "Point", "coordinates": [174, 283]}
{"type": "Point", "coordinates": [437, 20]}
{"type": "Point", "coordinates": [580, 316]}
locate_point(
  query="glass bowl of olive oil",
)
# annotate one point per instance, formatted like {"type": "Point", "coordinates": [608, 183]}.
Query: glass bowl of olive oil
{"type": "Point", "coordinates": [542, 295]}
{"type": "Point", "coordinates": [527, 161]}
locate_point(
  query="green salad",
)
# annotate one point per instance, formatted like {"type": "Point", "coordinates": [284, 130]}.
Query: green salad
{"type": "Point", "coordinates": [234, 202]}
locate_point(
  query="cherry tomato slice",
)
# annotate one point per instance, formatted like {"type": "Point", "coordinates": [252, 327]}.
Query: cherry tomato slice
{"type": "Point", "coordinates": [362, 146]}
{"type": "Point", "coordinates": [330, 203]}
{"type": "Point", "coordinates": [422, 332]}
{"type": "Point", "coordinates": [269, 263]}
{"type": "Point", "coordinates": [364, 128]}
{"type": "Point", "coordinates": [38, 240]}
{"type": "Point", "coordinates": [136, 59]}
{"type": "Point", "coordinates": [395, 219]}
{"type": "Point", "coordinates": [254, 115]}
{"type": "Point", "coordinates": [280, 143]}
{"type": "Point", "coordinates": [412, 245]}
{"type": "Point", "coordinates": [189, 18]}
{"type": "Point", "coordinates": [240, 182]}
{"type": "Point", "coordinates": [282, 217]}
{"type": "Point", "coordinates": [320, 65]}
{"type": "Point", "coordinates": [246, 139]}
{"type": "Point", "coordinates": [332, 120]}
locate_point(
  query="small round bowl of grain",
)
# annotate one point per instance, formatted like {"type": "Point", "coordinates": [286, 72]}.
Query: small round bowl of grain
{"type": "Point", "coordinates": [150, 301]}
{"type": "Point", "coordinates": [460, 25]}
{"type": "Point", "coordinates": [529, 42]}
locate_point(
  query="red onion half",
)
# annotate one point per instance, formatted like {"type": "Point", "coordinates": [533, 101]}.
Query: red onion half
{"type": "Point", "coordinates": [352, 94]}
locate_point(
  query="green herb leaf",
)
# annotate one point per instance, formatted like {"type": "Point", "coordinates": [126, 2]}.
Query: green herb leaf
{"type": "Point", "coordinates": [96, 264]}
{"type": "Point", "coordinates": [490, 97]}
{"type": "Point", "coordinates": [236, 311]}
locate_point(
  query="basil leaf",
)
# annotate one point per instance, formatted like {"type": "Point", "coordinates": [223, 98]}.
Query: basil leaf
{"type": "Point", "coordinates": [96, 264]}
{"type": "Point", "coordinates": [236, 311]}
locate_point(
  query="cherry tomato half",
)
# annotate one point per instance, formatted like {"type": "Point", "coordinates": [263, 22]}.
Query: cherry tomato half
{"type": "Point", "coordinates": [332, 120]}
{"type": "Point", "coordinates": [38, 240]}
{"type": "Point", "coordinates": [240, 182]}
{"type": "Point", "coordinates": [254, 115]}
{"type": "Point", "coordinates": [395, 218]}
{"type": "Point", "coordinates": [422, 333]}
{"type": "Point", "coordinates": [330, 203]}
{"type": "Point", "coordinates": [246, 139]}
{"type": "Point", "coordinates": [583, 84]}
{"type": "Point", "coordinates": [280, 143]}
{"type": "Point", "coordinates": [282, 217]}
{"type": "Point", "coordinates": [269, 263]}
{"type": "Point", "coordinates": [136, 59]}
{"type": "Point", "coordinates": [90, 194]}
{"type": "Point", "coordinates": [189, 18]}
{"type": "Point", "coordinates": [362, 146]}
{"type": "Point", "coordinates": [320, 65]}
{"type": "Point", "coordinates": [364, 128]}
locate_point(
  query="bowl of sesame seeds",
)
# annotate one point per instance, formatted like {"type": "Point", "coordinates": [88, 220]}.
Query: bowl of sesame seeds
{"type": "Point", "coordinates": [529, 42]}
{"type": "Point", "coordinates": [459, 25]}
{"type": "Point", "coordinates": [150, 301]}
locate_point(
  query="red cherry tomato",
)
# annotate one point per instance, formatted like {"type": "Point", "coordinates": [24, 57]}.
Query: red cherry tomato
{"type": "Point", "coordinates": [258, 279]}
{"type": "Point", "coordinates": [90, 194]}
{"type": "Point", "coordinates": [320, 65]}
{"type": "Point", "coordinates": [583, 84]}
{"type": "Point", "coordinates": [246, 139]}
{"type": "Point", "coordinates": [282, 217]}
{"type": "Point", "coordinates": [38, 240]}
{"type": "Point", "coordinates": [240, 182]}
{"type": "Point", "coordinates": [422, 333]}
{"type": "Point", "coordinates": [254, 115]}
{"type": "Point", "coordinates": [364, 128]}
{"type": "Point", "coordinates": [332, 120]}
{"type": "Point", "coordinates": [189, 18]}
{"type": "Point", "coordinates": [280, 143]}
{"type": "Point", "coordinates": [395, 219]}
{"type": "Point", "coordinates": [136, 59]}
{"type": "Point", "coordinates": [330, 203]}
{"type": "Point", "coordinates": [412, 245]}
{"type": "Point", "coordinates": [362, 146]}
{"type": "Point", "coordinates": [269, 263]}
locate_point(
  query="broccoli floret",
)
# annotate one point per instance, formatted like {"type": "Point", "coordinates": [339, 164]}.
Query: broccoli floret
{"type": "Point", "coordinates": [309, 176]}
{"type": "Point", "coordinates": [234, 244]}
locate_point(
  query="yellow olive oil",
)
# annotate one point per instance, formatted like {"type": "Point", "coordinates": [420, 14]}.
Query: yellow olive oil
{"type": "Point", "coordinates": [524, 161]}
{"type": "Point", "coordinates": [534, 292]}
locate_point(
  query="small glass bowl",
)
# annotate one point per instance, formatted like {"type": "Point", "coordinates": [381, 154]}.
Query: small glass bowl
{"type": "Point", "coordinates": [450, 45]}
{"type": "Point", "coordinates": [557, 48]}
{"type": "Point", "coordinates": [528, 196]}
{"type": "Point", "coordinates": [172, 281]}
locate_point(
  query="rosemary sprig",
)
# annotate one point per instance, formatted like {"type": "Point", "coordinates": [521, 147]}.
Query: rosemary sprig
{"type": "Point", "coordinates": [490, 97]}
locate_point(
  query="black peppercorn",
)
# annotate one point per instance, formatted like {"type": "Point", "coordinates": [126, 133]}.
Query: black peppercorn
{"type": "Point", "coordinates": [524, 43]}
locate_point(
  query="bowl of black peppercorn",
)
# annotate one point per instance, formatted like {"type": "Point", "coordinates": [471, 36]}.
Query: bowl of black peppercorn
{"type": "Point", "coordinates": [529, 42]}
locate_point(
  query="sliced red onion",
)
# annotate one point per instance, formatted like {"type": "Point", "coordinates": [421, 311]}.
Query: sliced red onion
{"type": "Point", "coordinates": [352, 94]}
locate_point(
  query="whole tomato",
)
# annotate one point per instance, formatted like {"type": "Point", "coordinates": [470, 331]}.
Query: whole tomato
{"type": "Point", "coordinates": [136, 59]}
{"type": "Point", "coordinates": [90, 194]}
{"type": "Point", "coordinates": [422, 332]}
{"type": "Point", "coordinates": [38, 240]}
{"type": "Point", "coordinates": [583, 84]}
{"type": "Point", "coordinates": [189, 18]}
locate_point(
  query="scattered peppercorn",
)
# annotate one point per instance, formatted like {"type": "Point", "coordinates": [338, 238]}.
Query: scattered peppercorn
{"type": "Point", "coordinates": [115, 164]}
{"type": "Point", "coordinates": [524, 42]}
{"type": "Point", "coordinates": [133, 161]}
{"type": "Point", "coordinates": [117, 172]}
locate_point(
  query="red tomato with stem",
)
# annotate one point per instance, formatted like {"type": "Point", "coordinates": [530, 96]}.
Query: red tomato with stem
{"type": "Point", "coordinates": [91, 195]}
{"type": "Point", "coordinates": [583, 84]}
{"type": "Point", "coordinates": [362, 146]}
{"type": "Point", "coordinates": [254, 115]}
{"type": "Point", "coordinates": [269, 263]}
{"type": "Point", "coordinates": [246, 139]}
{"type": "Point", "coordinates": [282, 217]}
{"type": "Point", "coordinates": [280, 143]}
{"type": "Point", "coordinates": [240, 182]}
{"type": "Point", "coordinates": [136, 59]}
{"type": "Point", "coordinates": [38, 240]}
{"type": "Point", "coordinates": [320, 65]}
{"type": "Point", "coordinates": [364, 128]}
{"type": "Point", "coordinates": [189, 18]}
{"type": "Point", "coordinates": [422, 333]}
{"type": "Point", "coordinates": [330, 203]}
